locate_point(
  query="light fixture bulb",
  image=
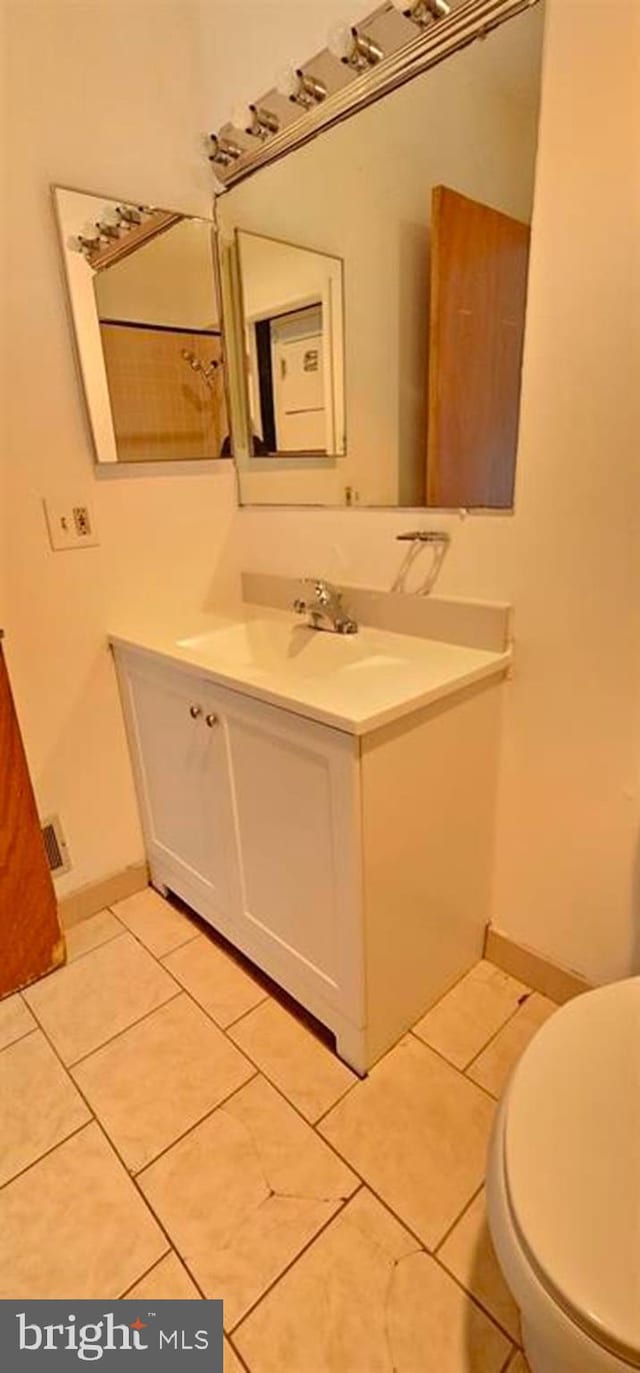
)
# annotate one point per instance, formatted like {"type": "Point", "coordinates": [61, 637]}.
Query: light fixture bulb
{"type": "Point", "coordinates": [242, 118]}
{"type": "Point", "coordinates": [340, 42]}
{"type": "Point", "coordinates": [287, 81]}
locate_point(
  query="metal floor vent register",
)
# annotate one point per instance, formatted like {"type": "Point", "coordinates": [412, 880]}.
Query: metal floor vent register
{"type": "Point", "coordinates": [55, 845]}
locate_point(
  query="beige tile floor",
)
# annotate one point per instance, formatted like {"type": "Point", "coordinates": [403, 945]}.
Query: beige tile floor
{"type": "Point", "coordinates": [169, 1129]}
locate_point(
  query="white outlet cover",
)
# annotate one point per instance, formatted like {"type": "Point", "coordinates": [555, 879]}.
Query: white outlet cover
{"type": "Point", "coordinates": [71, 525]}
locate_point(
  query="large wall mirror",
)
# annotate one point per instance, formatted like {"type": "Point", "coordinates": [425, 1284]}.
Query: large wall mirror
{"type": "Point", "coordinates": [374, 287]}
{"type": "Point", "coordinates": [143, 299]}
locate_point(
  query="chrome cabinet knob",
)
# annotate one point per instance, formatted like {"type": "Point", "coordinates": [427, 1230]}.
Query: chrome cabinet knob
{"type": "Point", "coordinates": [195, 712]}
{"type": "Point", "coordinates": [211, 720]}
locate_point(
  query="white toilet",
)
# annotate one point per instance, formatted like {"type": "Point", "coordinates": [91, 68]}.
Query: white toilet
{"type": "Point", "coordinates": [563, 1186]}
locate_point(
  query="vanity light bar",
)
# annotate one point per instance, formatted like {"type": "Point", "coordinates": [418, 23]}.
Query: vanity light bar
{"type": "Point", "coordinates": [120, 231]}
{"type": "Point", "coordinates": [422, 11]}
{"type": "Point", "coordinates": [396, 42]}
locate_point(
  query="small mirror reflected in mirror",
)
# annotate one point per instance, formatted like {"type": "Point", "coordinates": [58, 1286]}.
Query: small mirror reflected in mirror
{"type": "Point", "coordinates": [143, 299]}
{"type": "Point", "coordinates": [292, 315]}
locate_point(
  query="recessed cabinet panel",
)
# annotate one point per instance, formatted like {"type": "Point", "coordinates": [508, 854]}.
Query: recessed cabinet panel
{"type": "Point", "coordinates": [286, 841]}
{"type": "Point", "coordinates": [184, 774]}
{"type": "Point", "coordinates": [296, 797]}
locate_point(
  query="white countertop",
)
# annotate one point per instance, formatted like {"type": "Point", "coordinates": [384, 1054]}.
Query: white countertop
{"type": "Point", "coordinates": [354, 683]}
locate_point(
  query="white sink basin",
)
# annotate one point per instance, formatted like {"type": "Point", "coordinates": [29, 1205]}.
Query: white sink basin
{"type": "Point", "coordinates": [277, 646]}
{"type": "Point", "coordinates": [354, 682]}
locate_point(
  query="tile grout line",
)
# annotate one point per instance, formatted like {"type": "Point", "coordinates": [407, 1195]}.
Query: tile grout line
{"type": "Point", "coordinates": [175, 948]}
{"type": "Point", "coordinates": [460, 1072]}
{"type": "Point", "coordinates": [311, 1125]}
{"type": "Point", "coordinates": [237, 1353]}
{"type": "Point", "coordinates": [32, 1031]}
{"type": "Point", "coordinates": [125, 929]}
{"type": "Point", "coordinates": [454, 985]}
{"type": "Point", "coordinates": [231, 1023]}
{"type": "Point", "coordinates": [477, 1302]}
{"type": "Point", "coordinates": [338, 1101]}
{"type": "Point", "coordinates": [449, 1232]}
{"type": "Point", "coordinates": [45, 1154]}
{"type": "Point", "coordinates": [340, 1207]}
{"type": "Point", "coordinates": [84, 953]}
{"type": "Point", "coordinates": [119, 1033]}
{"type": "Point", "coordinates": [244, 1014]}
{"type": "Point", "coordinates": [219, 1106]}
{"type": "Point", "coordinates": [146, 1273]}
{"type": "Point", "coordinates": [492, 1038]}
{"type": "Point", "coordinates": [158, 956]}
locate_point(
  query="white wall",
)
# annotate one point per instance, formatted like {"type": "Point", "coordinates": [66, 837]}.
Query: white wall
{"type": "Point", "coordinates": [102, 96]}
{"type": "Point", "coordinates": [567, 862]}
{"type": "Point", "coordinates": [167, 281]}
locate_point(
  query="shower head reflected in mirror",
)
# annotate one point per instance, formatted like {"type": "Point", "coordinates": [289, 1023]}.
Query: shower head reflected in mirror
{"type": "Point", "coordinates": [206, 370]}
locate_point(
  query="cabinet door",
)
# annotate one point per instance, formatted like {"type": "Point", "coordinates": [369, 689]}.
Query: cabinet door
{"type": "Point", "coordinates": [182, 775]}
{"type": "Point", "coordinates": [296, 796]}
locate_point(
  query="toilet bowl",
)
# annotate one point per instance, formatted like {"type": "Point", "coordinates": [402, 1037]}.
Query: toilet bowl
{"type": "Point", "coordinates": [563, 1186]}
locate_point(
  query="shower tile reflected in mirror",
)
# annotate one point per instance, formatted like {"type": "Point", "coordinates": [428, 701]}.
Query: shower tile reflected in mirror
{"type": "Point", "coordinates": [147, 325]}
{"type": "Point", "coordinates": [426, 195]}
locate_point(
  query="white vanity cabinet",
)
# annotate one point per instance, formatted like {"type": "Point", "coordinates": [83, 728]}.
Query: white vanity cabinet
{"type": "Point", "coordinates": [250, 815]}
{"type": "Point", "coordinates": [353, 869]}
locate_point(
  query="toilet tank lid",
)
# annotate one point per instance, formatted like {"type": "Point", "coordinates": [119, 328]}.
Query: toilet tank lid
{"type": "Point", "coordinates": [572, 1159]}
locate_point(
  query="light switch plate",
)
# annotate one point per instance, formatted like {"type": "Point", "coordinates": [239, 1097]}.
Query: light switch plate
{"type": "Point", "coordinates": [71, 525]}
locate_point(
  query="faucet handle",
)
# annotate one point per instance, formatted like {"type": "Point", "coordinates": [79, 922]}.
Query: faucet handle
{"type": "Point", "coordinates": [324, 591]}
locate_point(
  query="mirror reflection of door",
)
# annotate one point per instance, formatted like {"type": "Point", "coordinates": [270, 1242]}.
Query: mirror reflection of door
{"type": "Point", "coordinates": [298, 381]}
{"type": "Point", "coordinates": [479, 265]}
{"type": "Point", "coordinates": [292, 311]}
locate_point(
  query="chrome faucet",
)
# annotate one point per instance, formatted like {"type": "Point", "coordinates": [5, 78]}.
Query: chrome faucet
{"type": "Point", "coordinates": [325, 608]}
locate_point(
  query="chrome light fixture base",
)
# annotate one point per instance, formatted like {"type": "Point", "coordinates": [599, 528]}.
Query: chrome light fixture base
{"type": "Point", "coordinates": [400, 40]}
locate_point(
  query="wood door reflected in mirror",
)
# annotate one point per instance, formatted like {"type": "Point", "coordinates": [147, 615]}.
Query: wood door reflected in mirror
{"type": "Point", "coordinates": [434, 304]}
{"type": "Point", "coordinates": [144, 305]}
{"type": "Point", "coordinates": [479, 264]}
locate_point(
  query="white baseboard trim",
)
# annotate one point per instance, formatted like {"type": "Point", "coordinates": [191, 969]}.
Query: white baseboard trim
{"type": "Point", "coordinates": [87, 901]}
{"type": "Point", "coordinates": [540, 973]}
